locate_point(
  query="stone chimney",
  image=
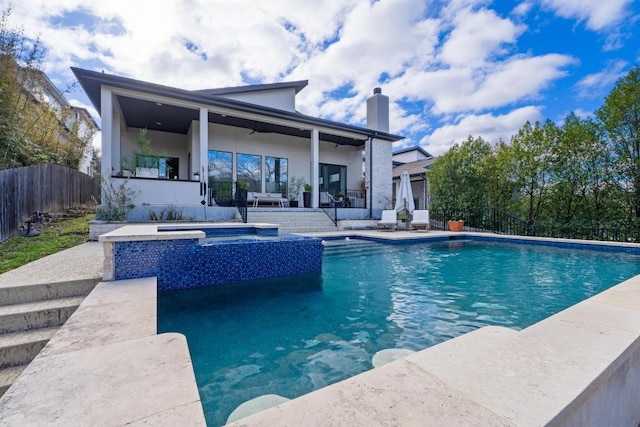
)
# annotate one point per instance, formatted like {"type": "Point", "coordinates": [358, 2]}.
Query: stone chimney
{"type": "Point", "coordinates": [378, 111]}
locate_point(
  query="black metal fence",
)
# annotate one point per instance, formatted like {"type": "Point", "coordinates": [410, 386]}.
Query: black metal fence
{"type": "Point", "coordinates": [502, 223]}
{"type": "Point", "coordinates": [228, 193]}
{"type": "Point", "coordinates": [42, 188]}
{"type": "Point", "coordinates": [241, 202]}
{"type": "Point", "coordinates": [221, 193]}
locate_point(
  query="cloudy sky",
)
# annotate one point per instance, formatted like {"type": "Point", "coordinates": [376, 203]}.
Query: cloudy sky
{"type": "Point", "coordinates": [451, 68]}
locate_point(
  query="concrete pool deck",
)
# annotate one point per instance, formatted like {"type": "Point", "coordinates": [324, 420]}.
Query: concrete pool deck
{"type": "Point", "coordinates": [107, 366]}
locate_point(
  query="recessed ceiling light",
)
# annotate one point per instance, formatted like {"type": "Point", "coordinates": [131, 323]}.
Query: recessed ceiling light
{"type": "Point", "coordinates": [159, 124]}
{"type": "Point", "coordinates": [159, 104]}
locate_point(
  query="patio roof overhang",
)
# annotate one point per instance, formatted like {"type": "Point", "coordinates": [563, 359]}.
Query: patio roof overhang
{"type": "Point", "coordinates": [168, 109]}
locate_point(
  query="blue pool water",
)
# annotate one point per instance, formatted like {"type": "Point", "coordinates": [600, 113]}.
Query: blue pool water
{"type": "Point", "coordinates": [292, 336]}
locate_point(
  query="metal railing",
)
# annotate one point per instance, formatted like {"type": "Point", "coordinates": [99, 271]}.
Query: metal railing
{"type": "Point", "coordinates": [330, 201]}
{"type": "Point", "coordinates": [332, 213]}
{"type": "Point", "coordinates": [241, 202]}
{"type": "Point", "coordinates": [227, 193]}
{"type": "Point", "coordinates": [499, 222]}
{"type": "Point", "coordinates": [348, 198]}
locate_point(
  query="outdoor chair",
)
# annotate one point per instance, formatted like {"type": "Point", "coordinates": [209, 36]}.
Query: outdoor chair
{"type": "Point", "coordinates": [420, 220]}
{"type": "Point", "coordinates": [389, 220]}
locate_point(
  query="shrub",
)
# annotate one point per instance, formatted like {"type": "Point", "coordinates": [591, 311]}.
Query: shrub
{"type": "Point", "coordinates": [117, 200]}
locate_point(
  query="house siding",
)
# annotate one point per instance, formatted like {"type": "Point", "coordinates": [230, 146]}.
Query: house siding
{"type": "Point", "coordinates": [282, 99]}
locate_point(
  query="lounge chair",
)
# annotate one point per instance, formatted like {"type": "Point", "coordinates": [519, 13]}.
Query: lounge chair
{"type": "Point", "coordinates": [389, 220]}
{"type": "Point", "coordinates": [420, 220]}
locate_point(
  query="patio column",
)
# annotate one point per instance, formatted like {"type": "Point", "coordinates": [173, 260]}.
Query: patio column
{"type": "Point", "coordinates": [315, 167]}
{"type": "Point", "coordinates": [204, 144]}
{"type": "Point", "coordinates": [115, 139]}
{"type": "Point", "coordinates": [106, 108]}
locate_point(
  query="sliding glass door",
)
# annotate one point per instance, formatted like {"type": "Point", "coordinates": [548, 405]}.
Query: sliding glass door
{"type": "Point", "coordinates": [333, 178]}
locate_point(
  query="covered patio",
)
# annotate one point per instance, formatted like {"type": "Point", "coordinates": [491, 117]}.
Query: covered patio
{"type": "Point", "coordinates": [211, 142]}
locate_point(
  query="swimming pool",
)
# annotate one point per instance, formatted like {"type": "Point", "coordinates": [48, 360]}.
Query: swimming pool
{"type": "Point", "coordinates": [259, 338]}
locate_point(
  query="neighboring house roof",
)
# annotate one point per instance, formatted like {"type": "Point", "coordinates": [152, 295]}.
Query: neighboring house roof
{"type": "Point", "coordinates": [414, 148]}
{"type": "Point", "coordinates": [140, 110]}
{"type": "Point", "coordinates": [415, 169]}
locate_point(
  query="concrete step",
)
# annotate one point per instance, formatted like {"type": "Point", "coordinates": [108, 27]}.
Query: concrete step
{"type": "Point", "coordinates": [45, 291]}
{"type": "Point", "coordinates": [38, 314]}
{"type": "Point", "coordinates": [19, 348]}
{"type": "Point", "coordinates": [303, 221]}
{"type": "Point", "coordinates": [307, 230]}
{"type": "Point", "coordinates": [8, 376]}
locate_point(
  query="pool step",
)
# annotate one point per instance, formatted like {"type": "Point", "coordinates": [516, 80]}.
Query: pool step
{"type": "Point", "coordinates": [352, 247]}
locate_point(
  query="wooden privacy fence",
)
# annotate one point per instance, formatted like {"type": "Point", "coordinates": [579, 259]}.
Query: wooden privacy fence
{"type": "Point", "coordinates": [43, 188]}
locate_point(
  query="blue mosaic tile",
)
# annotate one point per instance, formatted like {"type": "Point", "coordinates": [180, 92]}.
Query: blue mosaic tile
{"type": "Point", "coordinates": [184, 264]}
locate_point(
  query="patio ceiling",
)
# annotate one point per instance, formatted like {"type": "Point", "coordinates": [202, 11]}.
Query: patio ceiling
{"type": "Point", "coordinates": [140, 113]}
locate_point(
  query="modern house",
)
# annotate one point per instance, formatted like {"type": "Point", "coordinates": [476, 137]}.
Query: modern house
{"type": "Point", "coordinates": [86, 127]}
{"type": "Point", "coordinates": [74, 128]}
{"type": "Point", "coordinates": [416, 161]}
{"type": "Point", "coordinates": [205, 142]}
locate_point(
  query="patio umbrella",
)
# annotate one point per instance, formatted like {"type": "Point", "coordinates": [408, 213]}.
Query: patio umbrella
{"type": "Point", "coordinates": [404, 195]}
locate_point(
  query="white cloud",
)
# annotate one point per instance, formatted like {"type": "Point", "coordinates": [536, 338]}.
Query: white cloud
{"type": "Point", "coordinates": [495, 85]}
{"type": "Point", "coordinates": [599, 14]}
{"type": "Point", "coordinates": [490, 127]}
{"type": "Point", "coordinates": [522, 9]}
{"type": "Point", "coordinates": [597, 84]}
{"type": "Point", "coordinates": [478, 36]}
{"type": "Point", "coordinates": [385, 37]}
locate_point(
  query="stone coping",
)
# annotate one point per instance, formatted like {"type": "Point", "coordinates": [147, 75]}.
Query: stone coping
{"type": "Point", "coordinates": [141, 232]}
{"type": "Point", "coordinates": [199, 225]}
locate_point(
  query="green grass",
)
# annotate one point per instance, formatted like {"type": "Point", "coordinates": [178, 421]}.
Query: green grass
{"type": "Point", "coordinates": [54, 237]}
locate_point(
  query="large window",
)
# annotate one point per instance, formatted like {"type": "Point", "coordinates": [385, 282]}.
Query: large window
{"type": "Point", "coordinates": [276, 175]}
{"type": "Point", "coordinates": [220, 165]}
{"type": "Point", "coordinates": [221, 177]}
{"type": "Point", "coordinates": [249, 171]}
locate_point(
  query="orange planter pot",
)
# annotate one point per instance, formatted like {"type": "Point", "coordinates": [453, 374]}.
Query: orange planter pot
{"type": "Point", "coordinates": [456, 225]}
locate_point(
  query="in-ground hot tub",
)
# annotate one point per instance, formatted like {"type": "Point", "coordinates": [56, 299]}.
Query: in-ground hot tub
{"type": "Point", "coordinates": [184, 256]}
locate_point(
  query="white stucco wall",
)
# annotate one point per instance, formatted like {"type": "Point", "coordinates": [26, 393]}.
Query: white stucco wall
{"type": "Point", "coordinates": [282, 99]}
{"type": "Point", "coordinates": [165, 191]}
